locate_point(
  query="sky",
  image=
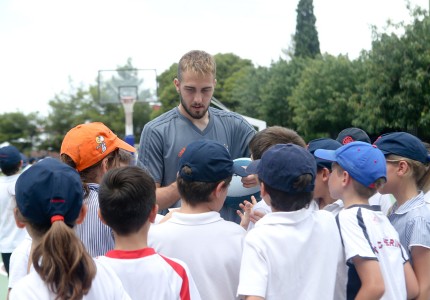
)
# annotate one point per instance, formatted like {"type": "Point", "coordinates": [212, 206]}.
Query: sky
{"type": "Point", "coordinates": [50, 46]}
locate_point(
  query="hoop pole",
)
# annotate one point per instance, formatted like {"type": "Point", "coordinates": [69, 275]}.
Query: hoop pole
{"type": "Point", "coordinates": [128, 104]}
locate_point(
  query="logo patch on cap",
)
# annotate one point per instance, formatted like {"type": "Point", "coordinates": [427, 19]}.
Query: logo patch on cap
{"type": "Point", "coordinates": [100, 140]}
{"type": "Point", "coordinates": [348, 139]}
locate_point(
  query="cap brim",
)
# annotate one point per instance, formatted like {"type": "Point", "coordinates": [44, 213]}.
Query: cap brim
{"type": "Point", "coordinates": [240, 170]}
{"type": "Point", "coordinates": [253, 167]}
{"type": "Point", "coordinates": [125, 146]}
{"type": "Point", "coordinates": [325, 154]}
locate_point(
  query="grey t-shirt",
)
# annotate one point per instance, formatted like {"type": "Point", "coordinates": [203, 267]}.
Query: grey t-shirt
{"type": "Point", "coordinates": [165, 137]}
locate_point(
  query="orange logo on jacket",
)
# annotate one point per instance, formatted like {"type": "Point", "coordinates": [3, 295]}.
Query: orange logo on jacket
{"type": "Point", "coordinates": [181, 152]}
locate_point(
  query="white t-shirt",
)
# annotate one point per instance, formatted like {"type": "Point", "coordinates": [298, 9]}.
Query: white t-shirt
{"type": "Point", "coordinates": [106, 285]}
{"type": "Point", "coordinates": [367, 232]}
{"type": "Point", "coordinates": [385, 201]}
{"type": "Point", "coordinates": [291, 255]}
{"type": "Point", "coordinates": [262, 207]}
{"type": "Point", "coordinates": [19, 261]}
{"type": "Point", "coordinates": [10, 235]}
{"type": "Point", "coordinates": [210, 246]}
{"type": "Point", "coordinates": [334, 207]}
{"type": "Point", "coordinates": [148, 275]}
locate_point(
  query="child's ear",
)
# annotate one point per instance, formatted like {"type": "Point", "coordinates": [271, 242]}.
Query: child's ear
{"type": "Point", "coordinates": [82, 214]}
{"type": "Point", "coordinates": [346, 178]}
{"type": "Point", "coordinates": [325, 174]}
{"type": "Point", "coordinates": [264, 195]}
{"type": "Point", "coordinates": [18, 222]}
{"type": "Point", "coordinates": [104, 165]}
{"type": "Point", "coordinates": [402, 167]}
{"type": "Point", "coordinates": [219, 189]}
{"type": "Point", "coordinates": [153, 213]}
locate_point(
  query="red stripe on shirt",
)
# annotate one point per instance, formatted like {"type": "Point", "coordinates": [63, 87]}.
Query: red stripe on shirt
{"type": "Point", "coordinates": [185, 288]}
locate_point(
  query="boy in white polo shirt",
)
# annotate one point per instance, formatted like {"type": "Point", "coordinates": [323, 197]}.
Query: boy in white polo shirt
{"type": "Point", "coordinates": [293, 252]}
{"type": "Point", "coordinates": [196, 233]}
{"type": "Point", "coordinates": [378, 266]}
{"type": "Point", "coordinates": [127, 205]}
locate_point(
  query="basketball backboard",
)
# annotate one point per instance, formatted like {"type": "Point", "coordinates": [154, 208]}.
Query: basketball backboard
{"type": "Point", "coordinates": [116, 85]}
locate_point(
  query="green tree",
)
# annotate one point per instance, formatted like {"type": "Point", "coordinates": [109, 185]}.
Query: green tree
{"type": "Point", "coordinates": [396, 94]}
{"type": "Point", "coordinates": [306, 42]}
{"type": "Point", "coordinates": [282, 78]}
{"type": "Point", "coordinates": [166, 90]}
{"type": "Point", "coordinates": [228, 64]}
{"type": "Point", "coordinates": [20, 130]}
{"type": "Point", "coordinates": [322, 99]}
{"type": "Point", "coordinates": [67, 111]}
{"type": "Point", "coordinates": [245, 88]}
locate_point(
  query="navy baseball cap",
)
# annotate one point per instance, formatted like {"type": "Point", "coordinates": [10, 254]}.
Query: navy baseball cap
{"type": "Point", "coordinates": [9, 157]}
{"type": "Point", "coordinates": [49, 189]}
{"type": "Point", "coordinates": [352, 134]}
{"type": "Point", "coordinates": [209, 161]}
{"type": "Point", "coordinates": [323, 143]}
{"type": "Point", "coordinates": [364, 162]}
{"type": "Point", "coordinates": [281, 165]}
{"type": "Point", "coordinates": [403, 144]}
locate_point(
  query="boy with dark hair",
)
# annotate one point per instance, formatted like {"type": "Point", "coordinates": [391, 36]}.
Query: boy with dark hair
{"type": "Point", "coordinates": [259, 143]}
{"type": "Point", "coordinates": [127, 205]}
{"type": "Point", "coordinates": [378, 266]}
{"type": "Point", "coordinates": [321, 193]}
{"type": "Point", "coordinates": [196, 233]}
{"type": "Point", "coordinates": [279, 259]}
{"type": "Point", "coordinates": [10, 235]}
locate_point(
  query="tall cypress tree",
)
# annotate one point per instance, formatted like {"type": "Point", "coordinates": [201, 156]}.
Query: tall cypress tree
{"type": "Point", "coordinates": [306, 43]}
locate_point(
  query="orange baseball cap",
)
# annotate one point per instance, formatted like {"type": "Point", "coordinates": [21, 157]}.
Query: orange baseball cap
{"type": "Point", "coordinates": [89, 143]}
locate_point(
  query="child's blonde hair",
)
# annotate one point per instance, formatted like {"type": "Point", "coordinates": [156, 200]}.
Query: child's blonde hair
{"type": "Point", "coordinates": [419, 172]}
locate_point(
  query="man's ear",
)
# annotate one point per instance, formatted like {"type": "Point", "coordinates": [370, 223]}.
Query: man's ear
{"type": "Point", "coordinates": [18, 222]}
{"type": "Point", "coordinates": [177, 84]}
{"type": "Point", "coordinates": [82, 214]}
{"type": "Point", "coordinates": [153, 213]}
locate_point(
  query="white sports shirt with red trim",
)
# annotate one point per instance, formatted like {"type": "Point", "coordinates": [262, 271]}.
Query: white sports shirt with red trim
{"type": "Point", "coordinates": [147, 275]}
{"type": "Point", "coordinates": [366, 232]}
{"type": "Point", "coordinates": [105, 285]}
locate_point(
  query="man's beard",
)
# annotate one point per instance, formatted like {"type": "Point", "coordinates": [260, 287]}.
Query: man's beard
{"type": "Point", "coordinates": [196, 116]}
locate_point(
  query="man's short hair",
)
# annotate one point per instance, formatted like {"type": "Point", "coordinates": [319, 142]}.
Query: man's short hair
{"type": "Point", "coordinates": [271, 136]}
{"type": "Point", "coordinates": [197, 61]}
{"type": "Point", "coordinates": [126, 198]}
